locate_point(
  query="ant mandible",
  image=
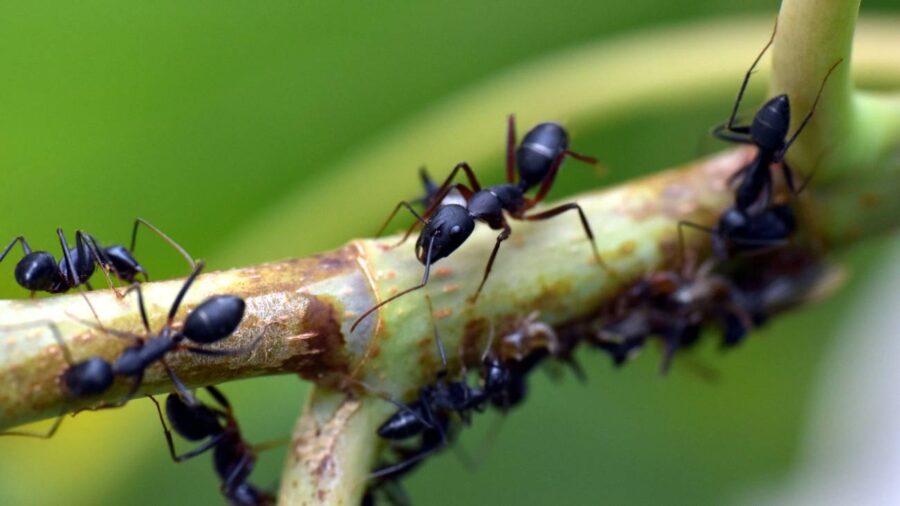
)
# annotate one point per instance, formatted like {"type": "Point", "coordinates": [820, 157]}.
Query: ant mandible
{"type": "Point", "coordinates": [212, 321]}
{"type": "Point", "coordinates": [446, 226]}
{"type": "Point", "coordinates": [768, 132]}
{"type": "Point", "coordinates": [233, 457]}
{"type": "Point", "coordinates": [38, 271]}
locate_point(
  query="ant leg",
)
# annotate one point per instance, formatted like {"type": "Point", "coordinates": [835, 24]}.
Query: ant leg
{"type": "Point", "coordinates": [550, 213]}
{"type": "Point", "coordinates": [738, 134]}
{"type": "Point", "coordinates": [546, 183]}
{"type": "Point", "coordinates": [219, 397]}
{"type": "Point", "coordinates": [391, 216]}
{"type": "Point", "coordinates": [181, 293]}
{"type": "Point", "coordinates": [504, 235]}
{"type": "Point", "coordinates": [740, 96]}
{"type": "Point", "coordinates": [780, 155]}
{"type": "Point", "coordinates": [99, 257]}
{"type": "Point", "coordinates": [46, 435]}
{"type": "Point", "coordinates": [511, 149]}
{"type": "Point", "coordinates": [162, 235]}
{"type": "Point", "coordinates": [590, 160]}
{"type": "Point", "coordinates": [404, 292]}
{"type": "Point", "coordinates": [25, 248]}
{"type": "Point", "coordinates": [228, 484]}
{"type": "Point", "coordinates": [73, 275]}
{"type": "Point", "coordinates": [183, 391]}
{"type": "Point", "coordinates": [171, 443]}
{"type": "Point", "coordinates": [404, 465]}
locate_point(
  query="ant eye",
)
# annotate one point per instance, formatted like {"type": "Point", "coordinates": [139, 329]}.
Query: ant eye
{"type": "Point", "coordinates": [454, 230]}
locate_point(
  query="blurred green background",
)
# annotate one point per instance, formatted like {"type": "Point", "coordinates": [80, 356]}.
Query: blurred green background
{"type": "Point", "coordinates": [204, 116]}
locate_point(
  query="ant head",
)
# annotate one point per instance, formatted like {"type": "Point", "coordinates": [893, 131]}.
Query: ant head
{"type": "Point", "coordinates": [38, 271]}
{"type": "Point", "coordinates": [126, 266]}
{"type": "Point", "coordinates": [191, 422]}
{"type": "Point", "coordinates": [215, 319]}
{"type": "Point", "coordinates": [447, 229]}
{"type": "Point", "coordinates": [90, 377]}
{"type": "Point", "coordinates": [539, 148]}
{"type": "Point", "coordinates": [771, 123]}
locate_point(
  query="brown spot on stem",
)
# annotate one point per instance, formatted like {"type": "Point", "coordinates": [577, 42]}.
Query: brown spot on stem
{"type": "Point", "coordinates": [321, 323]}
{"type": "Point", "coordinates": [627, 247]}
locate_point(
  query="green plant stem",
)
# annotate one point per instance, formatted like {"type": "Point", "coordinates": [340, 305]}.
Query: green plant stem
{"type": "Point", "coordinates": [304, 308]}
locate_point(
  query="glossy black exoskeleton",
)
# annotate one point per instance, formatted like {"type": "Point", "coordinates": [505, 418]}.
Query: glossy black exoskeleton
{"type": "Point", "coordinates": [38, 271]}
{"type": "Point", "coordinates": [446, 226]}
{"type": "Point", "coordinates": [233, 457]}
{"type": "Point", "coordinates": [743, 231]}
{"type": "Point", "coordinates": [769, 133]}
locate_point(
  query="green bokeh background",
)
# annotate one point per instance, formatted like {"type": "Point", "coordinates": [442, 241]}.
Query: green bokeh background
{"type": "Point", "coordinates": [202, 115]}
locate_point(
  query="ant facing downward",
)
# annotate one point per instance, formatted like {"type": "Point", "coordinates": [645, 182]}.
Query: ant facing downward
{"type": "Point", "coordinates": [446, 226]}
{"type": "Point", "coordinates": [233, 458]}
{"type": "Point", "coordinates": [502, 385]}
{"type": "Point", "coordinates": [38, 271]}
{"type": "Point", "coordinates": [768, 132]}
{"type": "Point", "coordinates": [212, 321]}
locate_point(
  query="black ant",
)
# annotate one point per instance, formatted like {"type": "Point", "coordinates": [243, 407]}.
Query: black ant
{"type": "Point", "coordinates": [503, 385]}
{"type": "Point", "coordinates": [38, 271]}
{"type": "Point", "coordinates": [446, 226]}
{"type": "Point", "coordinates": [212, 321]}
{"type": "Point", "coordinates": [233, 457]}
{"type": "Point", "coordinates": [768, 132]}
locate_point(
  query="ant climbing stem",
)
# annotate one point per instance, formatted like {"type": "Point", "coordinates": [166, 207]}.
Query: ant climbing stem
{"type": "Point", "coordinates": [769, 133]}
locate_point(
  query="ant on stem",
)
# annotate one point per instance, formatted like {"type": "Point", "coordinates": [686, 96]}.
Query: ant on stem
{"type": "Point", "coordinates": [769, 133]}
{"type": "Point", "coordinates": [446, 226]}
{"type": "Point", "coordinates": [39, 271]}
{"type": "Point", "coordinates": [233, 457]}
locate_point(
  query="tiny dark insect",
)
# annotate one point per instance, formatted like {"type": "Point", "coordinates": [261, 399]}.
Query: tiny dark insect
{"type": "Point", "coordinates": [676, 306]}
{"type": "Point", "coordinates": [446, 226]}
{"type": "Point", "coordinates": [233, 457]}
{"type": "Point", "coordinates": [212, 321]}
{"type": "Point", "coordinates": [38, 271]}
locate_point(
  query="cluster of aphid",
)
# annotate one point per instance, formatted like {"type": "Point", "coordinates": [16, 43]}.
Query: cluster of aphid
{"type": "Point", "coordinates": [754, 272]}
{"type": "Point", "coordinates": [212, 321]}
{"type": "Point", "coordinates": [673, 306]}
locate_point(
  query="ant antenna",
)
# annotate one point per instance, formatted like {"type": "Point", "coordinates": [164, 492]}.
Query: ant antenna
{"type": "Point", "coordinates": [25, 247]}
{"type": "Point", "coordinates": [402, 293]}
{"type": "Point", "coordinates": [437, 338]}
{"type": "Point", "coordinates": [490, 343]}
{"type": "Point", "coordinates": [737, 103]}
{"type": "Point", "coordinates": [164, 237]}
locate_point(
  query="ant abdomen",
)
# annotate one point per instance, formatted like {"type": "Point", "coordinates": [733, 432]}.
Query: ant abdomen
{"type": "Point", "coordinates": [215, 319]}
{"type": "Point", "coordinates": [191, 422]}
{"type": "Point", "coordinates": [90, 377]}
{"type": "Point", "coordinates": [771, 123]}
{"type": "Point", "coordinates": [539, 149]}
{"type": "Point", "coordinates": [404, 423]}
{"type": "Point", "coordinates": [37, 272]}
